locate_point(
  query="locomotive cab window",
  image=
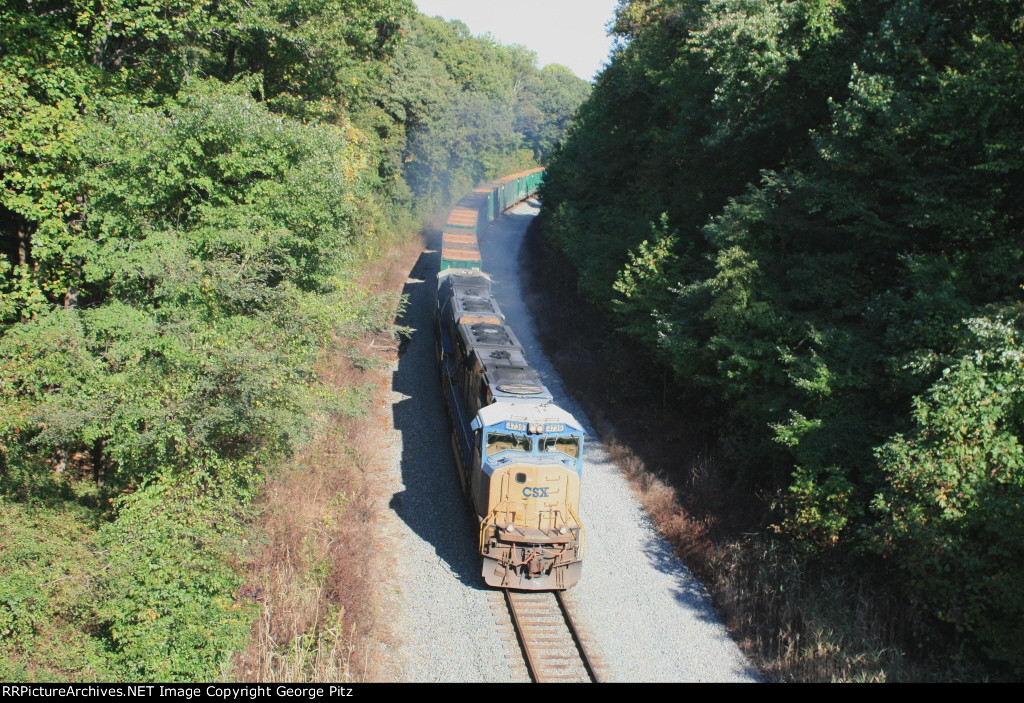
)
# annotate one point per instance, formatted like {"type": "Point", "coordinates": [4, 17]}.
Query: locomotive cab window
{"type": "Point", "coordinates": [504, 441]}
{"type": "Point", "coordinates": [570, 446]}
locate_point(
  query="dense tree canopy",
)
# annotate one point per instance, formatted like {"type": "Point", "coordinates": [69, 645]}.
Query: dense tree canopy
{"type": "Point", "coordinates": [811, 212]}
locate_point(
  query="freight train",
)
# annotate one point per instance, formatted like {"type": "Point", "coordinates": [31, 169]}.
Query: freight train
{"type": "Point", "coordinates": [519, 456]}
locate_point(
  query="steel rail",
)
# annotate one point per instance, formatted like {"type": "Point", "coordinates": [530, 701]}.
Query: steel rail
{"type": "Point", "coordinates": [587, 663]}
{"type": "Point", "coordinates": [542, 621]}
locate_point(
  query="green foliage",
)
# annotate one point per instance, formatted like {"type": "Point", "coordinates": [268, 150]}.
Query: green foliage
{"type": "Point", "coordinates": [189, 193]}
{"type": "Point", "coordinates": [821, 506]}
{"type": "Point", "coordinates": [547, 103]}
{"type": "Point", "coordinates": [951, 512]}
{"type": "Point", "coordinates": [748, 46]}
{"type": "Point", "coordinates": [268, 196]}
{"type": "Point", "coordinates": [215, 229]}
{"type": "Point", "coordinates": [840, 182]}
{"type": "Point", "coordinates": [474, 110]}
{"type": "Point", "coordinates": [148, 596]}
{"type": "Point", "coordinates": [39, 161]}
{"type": "Point", "coordinates": [48, 570]}
{"type": "Point", "coordinates": [641, 283]}
{"type": "Point", "coordinates": [166, 595]}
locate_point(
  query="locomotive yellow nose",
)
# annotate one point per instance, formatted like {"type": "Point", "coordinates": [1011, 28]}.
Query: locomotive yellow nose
{"type": "Point", "coordinates": [537, 497]}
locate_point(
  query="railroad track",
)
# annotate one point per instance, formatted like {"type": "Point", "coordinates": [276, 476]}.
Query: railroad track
{"type": "Point", "coordinates": [551, 645]}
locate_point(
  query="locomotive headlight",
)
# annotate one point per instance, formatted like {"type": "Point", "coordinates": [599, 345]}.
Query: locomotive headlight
{"type": "Point", "coordinates": [563, 530]}
{"type": "Point", "coordinates": [536, 428]}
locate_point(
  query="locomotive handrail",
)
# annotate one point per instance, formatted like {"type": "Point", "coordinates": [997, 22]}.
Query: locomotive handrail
{"type": "Point", "coordinates": [583, 531]}
{"type": "Point", "coordinates": [485, 526]}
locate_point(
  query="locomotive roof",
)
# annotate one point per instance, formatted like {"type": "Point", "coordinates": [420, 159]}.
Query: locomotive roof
{"type": "Point", "coordinates": [477, 302]}
{"type": "Point", "coordinates": [506, 371]}
{"type": "Point", "coordinates": [468, 297]}
{"type": "Point", "coordinates": [519, 384]}
{"type": "Point", "coordinates": [483, 337]}
{"type": "Point", "coordinates": [475, 285]}
{"type": "Point", "coordinates": [460, 278]}
{"type": "Point", "coordinates": [477, 306]}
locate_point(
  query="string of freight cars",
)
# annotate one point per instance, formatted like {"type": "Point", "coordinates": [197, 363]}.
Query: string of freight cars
{"type": "Point", "coordinates": [519, 456]}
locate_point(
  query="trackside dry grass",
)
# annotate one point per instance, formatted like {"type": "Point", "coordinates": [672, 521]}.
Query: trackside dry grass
{"type": "Point", "coordinates": [315, 560]}
{"type": "Point", "coordinates": [799, 623]}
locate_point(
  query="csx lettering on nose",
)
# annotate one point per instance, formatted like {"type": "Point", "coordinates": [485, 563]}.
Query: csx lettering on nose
{"type": "Point", "coordinates": [535, 492]}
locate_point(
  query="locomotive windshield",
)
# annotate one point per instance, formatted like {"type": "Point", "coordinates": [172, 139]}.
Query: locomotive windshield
{"type": "Point", "coordinates": [506, 441]}
{"type": "Point", "coordinates": [570, 446]}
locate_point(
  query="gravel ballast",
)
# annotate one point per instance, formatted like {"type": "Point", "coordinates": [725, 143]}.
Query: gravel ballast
{"type": "Point", "coordinates": [645, 617]}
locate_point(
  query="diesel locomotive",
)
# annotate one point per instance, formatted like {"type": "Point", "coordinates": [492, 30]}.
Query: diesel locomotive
{"type": "Point", "coordinates": [519, 456]}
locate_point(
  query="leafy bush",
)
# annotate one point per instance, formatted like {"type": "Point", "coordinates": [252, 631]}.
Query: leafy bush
{"type": "Point", "coordinates": [952, 513]}
{"type": "Point", "coordinates": [838, 179]}
{"type": "Point", "coordinates": [149, 595]}
{"type": "Point", "coordinates": [166, 593]}
{"type": "Point", "coordinates": [48, 599]}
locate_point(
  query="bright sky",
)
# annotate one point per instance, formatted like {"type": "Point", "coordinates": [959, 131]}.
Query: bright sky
{"type": "Point", "coordinates": [570, 32]}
